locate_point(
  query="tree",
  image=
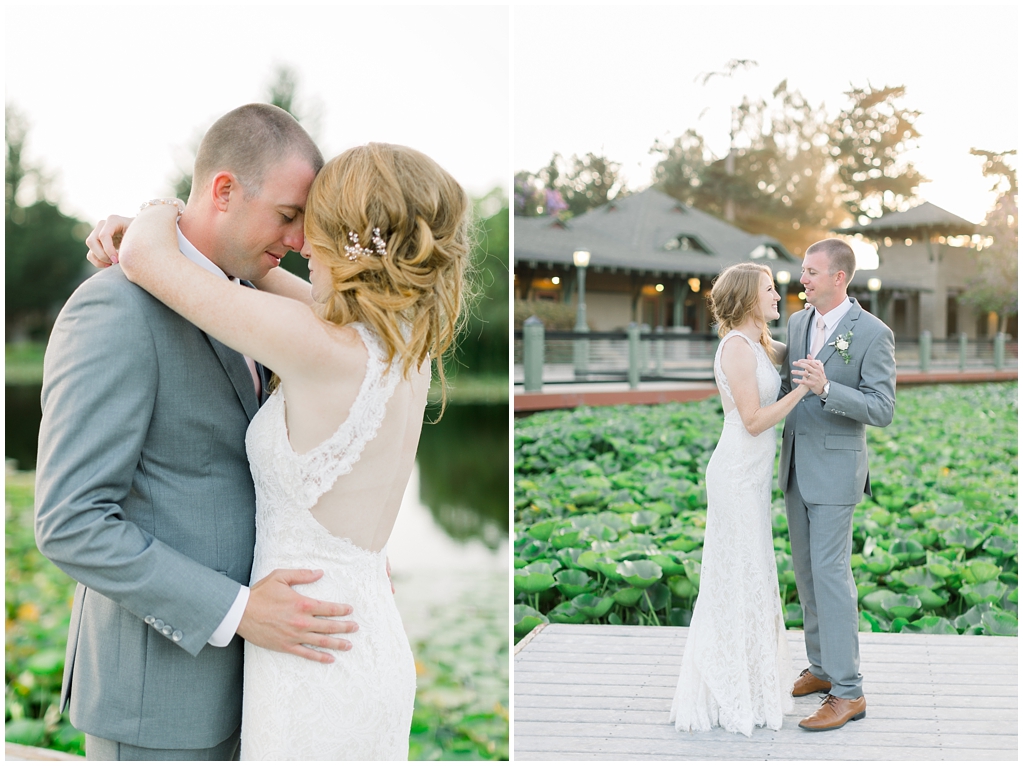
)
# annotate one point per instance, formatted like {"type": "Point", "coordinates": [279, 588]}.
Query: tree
{"type": "Point", "coordinates": [44, 249]}
{"type": "Point", "coordinates": [561, 191]}
{"type": "Point", "coordinates": [868, 141]}
{"type": "Point", "coordinates": [794, 173]}
{"type": "Point", "coordinates": [995, 288]}
{"type": "Point", "coordinates": [779, 180]}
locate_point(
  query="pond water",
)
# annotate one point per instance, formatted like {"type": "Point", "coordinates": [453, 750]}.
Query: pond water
{"type": "Point", "coordinates": [450, 542]}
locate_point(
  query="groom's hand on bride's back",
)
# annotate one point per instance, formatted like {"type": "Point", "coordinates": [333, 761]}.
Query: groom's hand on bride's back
{"type": "Point", "coordinates": [279, 618]}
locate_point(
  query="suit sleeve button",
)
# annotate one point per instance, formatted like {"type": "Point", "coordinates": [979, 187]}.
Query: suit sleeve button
{"type": "Point", "coordinates": [150, 619]}
{"type": "Point", "coordinates": [166, 630]}
{"type": "Point", "coordinates": [158, 624]}
{"type": "Point", "coordinates": [177, 635]}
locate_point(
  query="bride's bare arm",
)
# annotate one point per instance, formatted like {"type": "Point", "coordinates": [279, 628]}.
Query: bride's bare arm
{"type": "Point", "coordinates": [287, 285]}
{"type": "Point", "coordinates": [105, 240]}
{"type": "Point", "coordinates": [279, 332]}
{"type": "Point", "coordinates": [740, 367]}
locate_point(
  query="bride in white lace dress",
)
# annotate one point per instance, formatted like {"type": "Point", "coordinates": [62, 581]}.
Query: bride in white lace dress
{"type": "Point", "coordinates": [332, 449]}
{"type": "Point", "coordinates": [736, 662]}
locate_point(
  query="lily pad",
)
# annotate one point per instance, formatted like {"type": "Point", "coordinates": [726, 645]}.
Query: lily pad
{"type": "Point", "coordinates": [566, 613]}
{"type": "Point", "coordinates": [931, 625]}
{"type": "Point", "coordinates": [793, 614]}
{"type": "Point", "coordinates": [879, 562]}
{"type": "Point", "coordinates": [990, 592]}
{"type": "Point", "coordinates": [693, 571]}
{"type": "Point", "coordinates": [627, 596]}
{"type": "Point", "coordinates": [542, 530]}
{"type": "Point", "coordinates": [639, 574]}
{"type": "Point", "coordinates": [900, 605]}
{"type": "Point", "coordinates": [655, 598]}
{"type": "Point", "coordinates": [907, 551]}
{"type": "Point", "coordinates": [1001, 547]}
{"type": "Point", "coordinates": [980, 571]}
{"type": "Point", "coordinates": [872, 601]}
{"type": "Point", "coordinates": [644, 520]}
{"type": "Point", "coordinates": [527, 618]}
{"type": "Point", "coordinates": [929, 599]}
{"type": "Point", "coordinates": [593, 606]}
{"type": "Point", "coordinates": [998, 622]}
{"type": "Point", "coordinates": [573, 582]}
{"type": "Point", "coordinates": [962, 537]}
{"type": "Point", "coordinates": [682, 587]}
{"type": "Point", "coordinates": [532, 582]}
{"type": "Point", "coordinates": [670, 565]}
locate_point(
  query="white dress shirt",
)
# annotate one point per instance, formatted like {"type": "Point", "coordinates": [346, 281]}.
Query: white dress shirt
{"type": "Point", "coordinates": [229, 625]}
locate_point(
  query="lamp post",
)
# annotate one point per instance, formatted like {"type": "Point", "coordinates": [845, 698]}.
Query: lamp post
{"type": "Point", "coordinates": [783, 278]}
{"type": "Point", "coordinates": [874, 285]}
{"type": "Point", "coordinates": [581, 346]}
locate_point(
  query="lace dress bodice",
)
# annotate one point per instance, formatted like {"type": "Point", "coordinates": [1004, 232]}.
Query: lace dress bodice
{"type": "Point", "coordinates": [359, 707]}
{"type": "Point", "coordinates": [735, 665]}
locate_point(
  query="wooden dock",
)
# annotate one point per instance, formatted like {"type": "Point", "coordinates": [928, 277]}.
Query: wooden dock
{"type": "Point", "coordinates": [602, 692]}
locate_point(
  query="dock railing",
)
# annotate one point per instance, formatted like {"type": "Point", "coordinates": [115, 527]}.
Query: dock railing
{"type": "Point", "coordinates": [641, 354]}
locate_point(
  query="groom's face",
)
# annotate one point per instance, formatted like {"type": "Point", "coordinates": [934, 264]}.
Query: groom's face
{"type": "Point", "coordinates": [263, 226]}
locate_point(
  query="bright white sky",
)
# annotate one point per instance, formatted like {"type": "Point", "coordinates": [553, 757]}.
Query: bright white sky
{"type": "Point", "coordinates": [117, 96]}
{"type": "Point", "coordinates": [614, 79]}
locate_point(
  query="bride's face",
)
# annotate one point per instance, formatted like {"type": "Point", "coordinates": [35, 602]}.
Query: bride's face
{"type": "Point", "coordinates": [769, 298]}
{"type": "Point", "coordinates": [319, 274]}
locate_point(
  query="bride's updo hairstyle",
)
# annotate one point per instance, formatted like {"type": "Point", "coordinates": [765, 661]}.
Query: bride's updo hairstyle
{"type": "Point", "coordinates": [422, 215]}
{"type": "Point", "coordinates": [735, 296]}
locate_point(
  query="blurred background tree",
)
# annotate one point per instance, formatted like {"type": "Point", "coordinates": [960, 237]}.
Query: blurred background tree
{"type": "Point", "coordinates": [792, 172]}
{"type": "Point", "coordinates": [568, 188]}
{"type": "Point", "coordinates": [44, 249]}
{"type": "Point", "coordinates": [995, 289]}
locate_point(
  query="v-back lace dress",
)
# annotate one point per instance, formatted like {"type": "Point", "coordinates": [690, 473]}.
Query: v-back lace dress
{"type": "Point", "coordinates": [359, 707]}
{"type": "Point", "coordinates": [735, 666]}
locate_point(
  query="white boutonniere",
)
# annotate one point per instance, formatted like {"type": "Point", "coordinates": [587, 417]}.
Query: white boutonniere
{"type": "Point", "coordinates": [841, 344]}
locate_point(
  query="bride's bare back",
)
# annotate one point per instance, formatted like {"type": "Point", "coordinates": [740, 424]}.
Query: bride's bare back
{"type": "Point", "coordinates": [364, 503]}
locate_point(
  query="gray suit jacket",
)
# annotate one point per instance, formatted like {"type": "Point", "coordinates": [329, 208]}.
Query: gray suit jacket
{"type": "Point", "coordinates": [827, 443]}
{"type": "Point", "coordinates": [144, 496]}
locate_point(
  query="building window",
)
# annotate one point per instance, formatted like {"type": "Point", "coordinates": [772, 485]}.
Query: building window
{"type": "Point", "coordinates": [686, 243]}
{"type": "Point", "coordinates": [764, 251]}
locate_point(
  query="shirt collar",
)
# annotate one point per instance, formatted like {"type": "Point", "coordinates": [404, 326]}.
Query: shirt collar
{"type": "Point", "coordinates": [192, 253]}
{"type": "Point", "coordinates": [833, 317]}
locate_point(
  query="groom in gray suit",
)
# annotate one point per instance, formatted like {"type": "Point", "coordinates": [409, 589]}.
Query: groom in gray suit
{"type": "Point", "coordinates": [143, 490]}
{"type": "Point", "coordinates": [847, 358]}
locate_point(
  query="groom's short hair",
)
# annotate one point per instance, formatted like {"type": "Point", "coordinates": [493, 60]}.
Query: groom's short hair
{"type": "Point", "coordinates": [840, 256]}
{"type": "Point", "coordinates": [249, 141]}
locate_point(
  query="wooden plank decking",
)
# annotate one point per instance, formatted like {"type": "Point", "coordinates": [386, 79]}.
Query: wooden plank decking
{"type": "Point", "coordinates": [602, 692]}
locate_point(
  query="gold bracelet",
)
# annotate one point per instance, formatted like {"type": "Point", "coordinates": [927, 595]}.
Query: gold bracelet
{"type": "Point", "coordinates": [164, 201]}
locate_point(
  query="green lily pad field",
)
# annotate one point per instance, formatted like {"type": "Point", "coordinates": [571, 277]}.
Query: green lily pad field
{"type": "Point", "coordinates": [610, 510]}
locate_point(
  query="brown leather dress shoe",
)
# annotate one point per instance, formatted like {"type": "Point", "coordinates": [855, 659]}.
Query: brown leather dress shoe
{"type": "Point", "coordinates": [808, 683]}
{"type": "Point", "coordinates": [835, 713]}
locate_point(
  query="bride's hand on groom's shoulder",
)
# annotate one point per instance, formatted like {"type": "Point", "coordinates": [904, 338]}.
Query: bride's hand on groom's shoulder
{"type": "Point", "coordinates": [279, 618]}
{"type": "Point", "coordinates": [104, 241]}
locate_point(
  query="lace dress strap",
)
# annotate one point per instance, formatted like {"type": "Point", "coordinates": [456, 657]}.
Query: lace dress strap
{"type": "Point", "coordinates": [321, 466]}
{"type": "Point", "coordinates": [719, 372]}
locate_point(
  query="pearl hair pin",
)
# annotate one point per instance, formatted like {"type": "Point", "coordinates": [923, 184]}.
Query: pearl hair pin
{"type": "Point", "coordinates": [354, 250]}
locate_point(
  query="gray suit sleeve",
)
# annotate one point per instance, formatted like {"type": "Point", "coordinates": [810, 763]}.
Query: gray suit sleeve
{"type": "Point", "coordinates": [873, 401]}
{"type": "Point", "coordinates": [100, 382]}
{"type": "Point", "coordinates": [786, 363]}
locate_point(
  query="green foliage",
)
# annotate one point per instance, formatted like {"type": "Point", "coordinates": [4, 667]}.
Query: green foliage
{"type": "Point", "coordinates": [555, 316]}
{"type": "Point", "coordinates": [44, 249]}
{"type": "Point", "coordinates": [482, 348]}
{"type": "Point", "coordinates": [462, 681]}
{"type": "Point", "coordinates": [37, 600]}
{"type": "Point", "coordinates": [995, 286]}
{"type": "Point", "coordinates": [568, 188]}
{"type": "Point", "coordinates": [934, 550]}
